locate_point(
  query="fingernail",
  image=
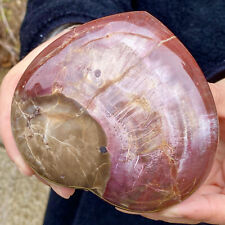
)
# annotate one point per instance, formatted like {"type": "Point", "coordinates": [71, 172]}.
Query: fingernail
{"type": "Point", "coordinates": [60, 192]}
{"type": "Point", "coordinates": [65, 196]}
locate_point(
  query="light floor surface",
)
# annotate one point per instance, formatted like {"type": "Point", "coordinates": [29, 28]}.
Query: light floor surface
{"type": "Point", "coordinates": [23, 200]}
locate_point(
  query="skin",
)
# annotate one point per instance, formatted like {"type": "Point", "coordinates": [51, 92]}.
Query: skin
{"type": "Point", "coordinates": [205, 205]}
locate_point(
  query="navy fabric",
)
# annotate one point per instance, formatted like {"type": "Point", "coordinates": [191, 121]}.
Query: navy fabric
{"type": "Point", "coordinates": [43, 16]}
{"type": "Point", "coordinates": [199, 24]}
{"type": "Point", "coordinates": [84, 208]}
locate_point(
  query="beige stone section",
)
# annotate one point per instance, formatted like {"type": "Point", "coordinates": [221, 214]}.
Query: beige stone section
{"type": "Point", "coordinates": [23, 200]}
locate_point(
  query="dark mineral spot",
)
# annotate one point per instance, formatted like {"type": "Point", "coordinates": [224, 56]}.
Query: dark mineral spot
{"type": "Point", "coordinates": [97, 73]}
{"type": "Point", "coordinates": [103, 149]}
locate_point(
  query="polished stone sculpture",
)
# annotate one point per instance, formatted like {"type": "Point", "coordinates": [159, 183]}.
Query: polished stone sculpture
{"type": "Point", "coordinates": [118, 106]}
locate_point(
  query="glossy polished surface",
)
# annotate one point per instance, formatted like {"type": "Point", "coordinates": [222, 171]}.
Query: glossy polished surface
{"type": "Point", "coordinates": [118, 106]}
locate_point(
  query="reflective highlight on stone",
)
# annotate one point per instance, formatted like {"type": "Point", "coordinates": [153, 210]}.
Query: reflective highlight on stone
{"type": "Point", "coordinates": [118, 106]}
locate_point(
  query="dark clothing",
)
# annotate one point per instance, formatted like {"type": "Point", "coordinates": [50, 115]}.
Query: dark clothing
{"type": "Point", "coordinates": [199, 24]}
{"type": "Point", "coordinates": [84, 208]}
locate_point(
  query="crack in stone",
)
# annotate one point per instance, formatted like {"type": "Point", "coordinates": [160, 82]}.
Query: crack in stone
{"type": "Point", "coordinates": [70, 146]}
{"type": "Point", "coordinates": [166, 40]}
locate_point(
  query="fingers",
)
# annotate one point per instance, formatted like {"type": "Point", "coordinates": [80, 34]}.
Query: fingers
{"type": "Point", "coordinates": [218, 92]}
{"type": "Point", "coordinates": [161, 216]}
{"type": "Point", "coordinates": [170, 219]}
{"type": "Point", "coordinates": [64, 192]}
{"type": "Point", "coordinates": [206, 205]}
{"type": "Point", "coordinates": [6, 95]}
{"type": "Point", "coordinates": [201, 208]}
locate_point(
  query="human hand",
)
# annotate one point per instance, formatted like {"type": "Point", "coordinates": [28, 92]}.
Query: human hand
{"type": "Point", "coordinates": [7, 88]}
{"type": "Point", "coordinates": [207, 204]}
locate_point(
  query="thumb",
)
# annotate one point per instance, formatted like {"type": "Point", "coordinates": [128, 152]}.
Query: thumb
{"type": "Point", "coordinates": [202, 208]}
{"type": "Point", "coordinates": [218, 92]}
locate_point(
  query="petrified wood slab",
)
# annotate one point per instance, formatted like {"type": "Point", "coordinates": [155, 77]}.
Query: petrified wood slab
{"type": "Point", "coordinates": [118, 106]}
